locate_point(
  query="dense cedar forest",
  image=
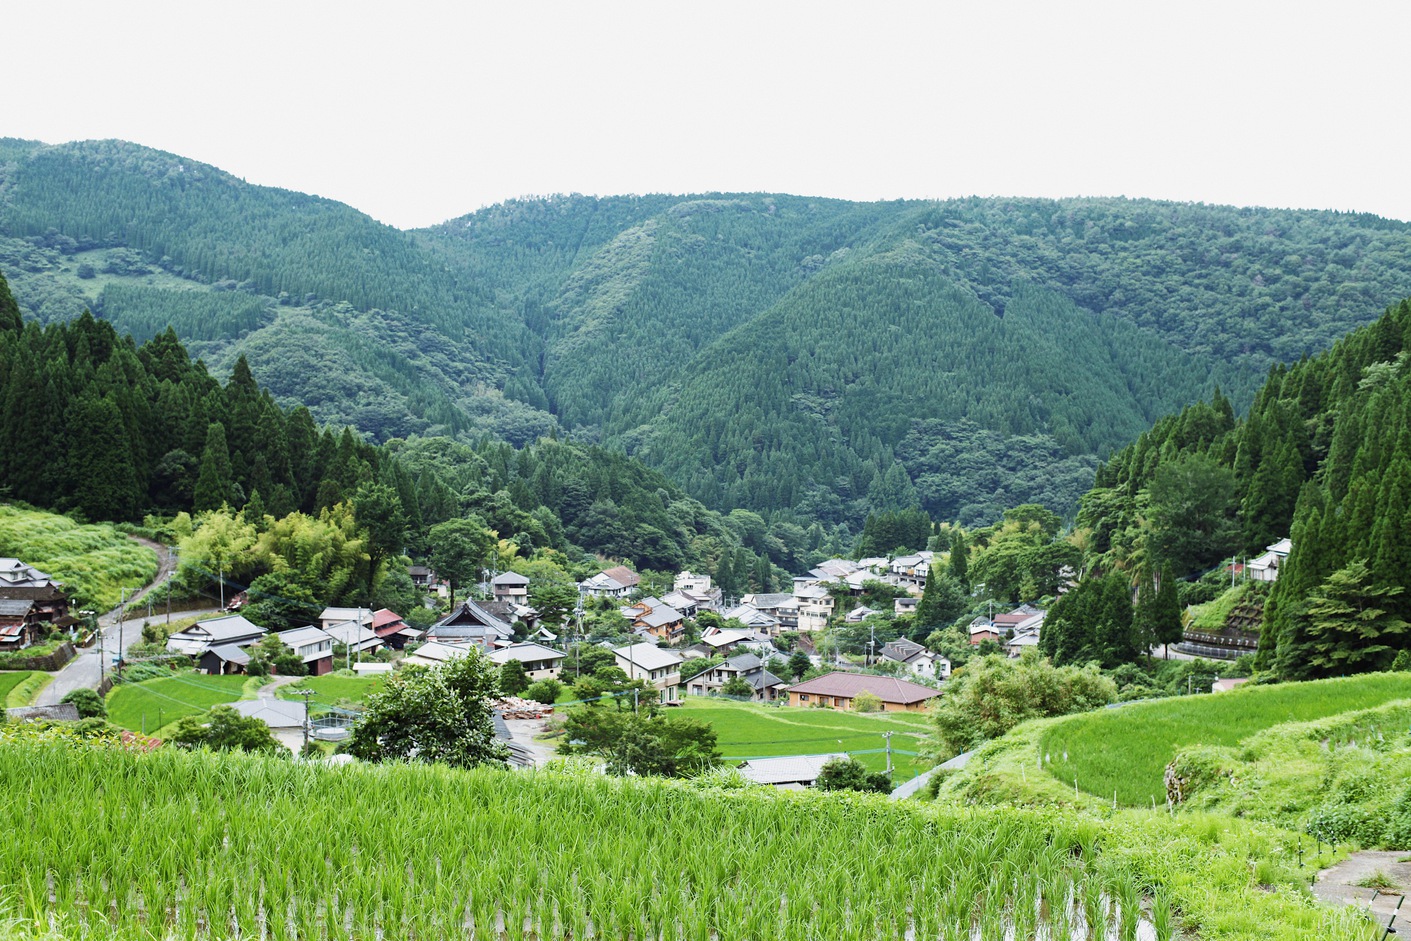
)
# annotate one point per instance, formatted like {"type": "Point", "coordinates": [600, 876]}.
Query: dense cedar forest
{"type": "Point", "coordinates": [1324, 455]}
{"type": "Point", "coordinates": [811, 360]}
{"type": "Point", "coordinates": [101, 427]}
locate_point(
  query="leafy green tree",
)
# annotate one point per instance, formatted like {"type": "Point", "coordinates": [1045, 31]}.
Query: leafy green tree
{"type": "Point", "coordinates": [1193, 503]}
{"type": "Point", "coordinates": [996, 693]}
{"type": "Point", "coordinates": [849, 774]}
{"type": "Point", "coordinates": [942, 601]}
{"type": "Point", "coordinates": [380, 515]}
{"type": "Point", "coordinates": [224, 729]}
{"type": "Point", "coordinates": [799, 664]}
{"type": "Point", "coordinates": [438, 715]}
{"type": "Point", "coordinates": [459, 549]}
{"type": "Point", "coordinates": [959, 564]}
{"type": "Point", "coordinates": [88, 703]}
{"type": "Point", "coordinates": [545, 691]}
{"type": "Point", "coordinates": [641, 744]}
{"type": "Point", "coordinates": [737, 688]}
{"type": "Point", "coordinates": [513, 679]}
{"type": "Point", "coordinates": [280, 601]}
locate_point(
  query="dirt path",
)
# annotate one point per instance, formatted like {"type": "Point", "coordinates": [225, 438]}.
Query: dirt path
{"type": "Point", "coordinates": [1339, 885]}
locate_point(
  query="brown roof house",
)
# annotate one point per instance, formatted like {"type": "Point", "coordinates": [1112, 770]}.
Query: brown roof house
{"type": "Point", "coordinates": [837, 690]}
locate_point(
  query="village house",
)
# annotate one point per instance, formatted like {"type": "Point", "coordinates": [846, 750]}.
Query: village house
{"type": "Point", "coordinates": [781, 606]}
{"type": "Point", "coordinates": [719, 641]}
{"type": "Point", "coordinates": [392, 630]}
{"type": "Point", "coordinates": [911, 570]}
{"type": "Point", "coordinates": [767, 687]}
{"type": "Point", "coordinates": [222, 660]}
{"type": "Point", "coordinates": [1020, 642]}
{"type": "Point", "coordinates": [421, 576]}
{"type": "Point", "coordinates": [311, 645]}
{"type": "Point", "coordinates": [655, 618]}
{"type": "Point", "coordinates": [658, 667]}
{"type": "Point", "coordinates": [540, 662]}
{"type": "Point", "coordinates": [285, 718]}
{"type": "Point", "coordinates": [358, 638]}
{"type": "Point", "coordinates": [616, 582]}
{"type": "Point", "coordinates": [1265, 568]}
{"type": "Point", "coordinates": [837, 690]}
{"type": "Point", "coordinates": [917, 659]}
{"type": "Point", "coordinates": [859, 614]}
{"type": "Point", "coordinates": [434, 653]}
{"type": "Point", "coordinates": [332, 616]}
{"type": "Point", "coordinates": [48, 604]}
{"type": "Point", "coordinates": [18, 624]}
{"type": "Point", "coordinates": [232, 630]}
{"type": "Point", "coordinates": [905, 607]}
{"type": "Point", "coordinates": [790, 773]}
{"type": "Point", "coordinates": [511, 587]}
{"type": "Point", "coordinates": [755, 619]}
{"type": "Point", "coordinates": [471, 623]}
{"type": "Point", "coordinates": [815, 607]}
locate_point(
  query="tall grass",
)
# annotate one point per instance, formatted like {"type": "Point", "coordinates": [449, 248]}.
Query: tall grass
{"type": "Point", "coordinates": [113, 844]}
{"type": "Point", "coordinates": [1124, 752]}
{"type": "Point", "coordinates": [93, 561]}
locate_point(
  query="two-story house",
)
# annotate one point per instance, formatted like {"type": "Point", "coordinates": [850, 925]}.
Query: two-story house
{"type": "Point", "coordinates": [660, 668]}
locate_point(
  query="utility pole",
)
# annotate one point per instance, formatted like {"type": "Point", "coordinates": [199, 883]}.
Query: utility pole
{"type": "Point", "coordinates": [306, 693]}
{"type": "Point", "coordinates": [888, 737]}
{"type": "Point", "coordinates": [122, 618]}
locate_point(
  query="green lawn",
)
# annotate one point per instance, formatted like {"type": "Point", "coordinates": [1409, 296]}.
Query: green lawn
{"type": "Point", "coordinates": [1125, 751]}
{"type": "Point", "coordinates": [328, 690]}
{"type": "Point", "coordinates": [747, 730]}
{"type": "Point", "coordinates": [150, 705]}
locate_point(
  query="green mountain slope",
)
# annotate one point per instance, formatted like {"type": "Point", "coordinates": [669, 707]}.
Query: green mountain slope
{"type": "Point", "coordinates": [769, 351]}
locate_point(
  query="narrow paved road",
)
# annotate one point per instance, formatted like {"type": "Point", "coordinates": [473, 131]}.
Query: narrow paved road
{"type": "Point", "coordinates": [86, 668]}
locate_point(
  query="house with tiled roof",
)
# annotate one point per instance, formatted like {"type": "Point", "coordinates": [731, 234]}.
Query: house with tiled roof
{"type": "Point", "coordinates": [395, 632]}
{"type": "Point", "coordinates": [655, 618]}
{"type": "Point", "coordinates": [472, 623]}
{"type": "Point", "coordinates": [234, 629]}
{"type": "Point", "coordinates": [660, 668]}
{"type": "Point", "coordinates": [767, 687]}
{"type": "Point", "coordinates": [510, 586]}
{"type": "Point", "coordinates": [837, 690]}
{"type": "Point", "coordinates": [312, 645]}
{"type": "Point", "coordinates": [916, 658]}
{"type": "Point", "coordinates": [540, 662]}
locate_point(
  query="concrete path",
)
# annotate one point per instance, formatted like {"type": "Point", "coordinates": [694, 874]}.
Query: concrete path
{"type": "Point", "coordinates": [1338, 885]}
{"type": "Point", "coordinates": [522, 732]}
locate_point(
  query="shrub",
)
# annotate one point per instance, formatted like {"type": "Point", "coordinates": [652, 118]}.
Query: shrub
{"type": "Point", "coordinates": [88, 703]}
{"type": "Point", "coordinates": [544, 691]}
{"type": "Point", "coordinates": [867, 702]}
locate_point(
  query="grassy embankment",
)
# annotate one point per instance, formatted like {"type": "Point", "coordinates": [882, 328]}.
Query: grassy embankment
{"type": "Point", "coordinates": [334, 690]}
{"type": "Point", "coordinates": [19, 688]}
{"type": "Point", "coordinates": [1344, 778]}
{"type": "Point", "coordinates": [148, 707]}
{"type": "Point", "coordinates": [202, 845]}
{"type": "Point", "coordinates": [93, 561]}
{"type": "Point", "coordinates": [750, 730]}
{"type": "Point", "coordinates": [1125, 751]}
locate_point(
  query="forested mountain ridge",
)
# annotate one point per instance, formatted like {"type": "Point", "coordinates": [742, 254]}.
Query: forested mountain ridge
{"type": "Point", "coordinates": [815, 357]}
{"type": "Point", "coordinates": [1323, 457]}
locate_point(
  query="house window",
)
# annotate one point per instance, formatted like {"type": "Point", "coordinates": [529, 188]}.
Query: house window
{"type": "Point", "coordinates": [803, 697]}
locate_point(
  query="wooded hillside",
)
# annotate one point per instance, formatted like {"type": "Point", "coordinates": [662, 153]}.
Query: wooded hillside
{"type": "Point", "coordinates": [815, 358]}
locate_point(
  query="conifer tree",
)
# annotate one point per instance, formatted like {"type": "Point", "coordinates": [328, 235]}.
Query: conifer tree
{"type": "Point", "coordinates": [959, 558]}
{"type": "Point", "coordinates": [214, 485]}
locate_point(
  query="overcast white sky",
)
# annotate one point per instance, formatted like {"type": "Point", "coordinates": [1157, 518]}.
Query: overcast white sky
{"type": "Point", "coordinates": [415, 112]}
